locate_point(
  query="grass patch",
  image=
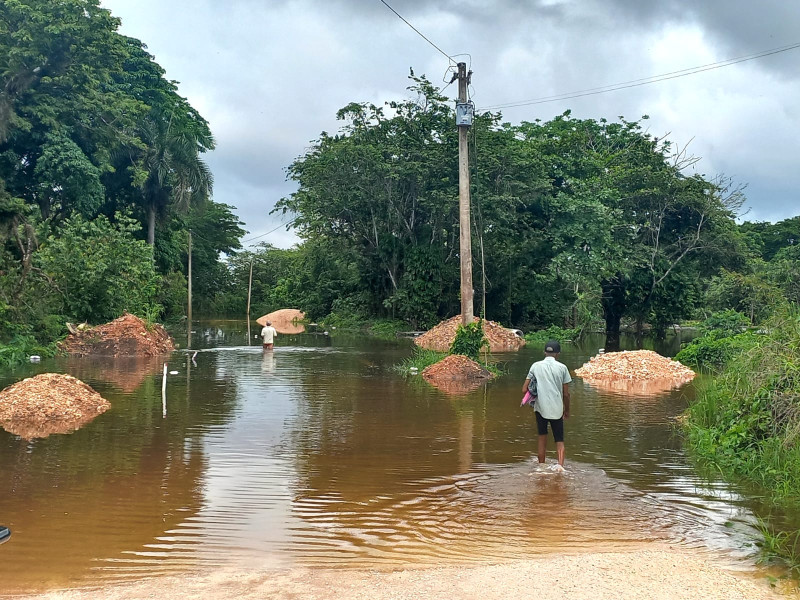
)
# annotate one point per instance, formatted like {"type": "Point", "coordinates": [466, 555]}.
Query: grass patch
{"type": "Point", "coordinates": [420, 359]}
{"type": "Point", "coordinates": [745, 424]}
{"type": "Point", "coordinates": [780, 547]}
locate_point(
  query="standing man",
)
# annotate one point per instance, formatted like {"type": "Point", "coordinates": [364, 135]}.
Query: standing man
{"type": "Point", "coordinates": [268, 334]}
{"type": "Point", "coordinates": [552, 402]}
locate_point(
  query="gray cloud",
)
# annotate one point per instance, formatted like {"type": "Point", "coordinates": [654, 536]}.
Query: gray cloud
{"type": "Point", "coordinates": [270, 76]}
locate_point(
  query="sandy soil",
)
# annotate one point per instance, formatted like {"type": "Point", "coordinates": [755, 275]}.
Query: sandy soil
{"type": "Point", "coordinates": [651, 574]}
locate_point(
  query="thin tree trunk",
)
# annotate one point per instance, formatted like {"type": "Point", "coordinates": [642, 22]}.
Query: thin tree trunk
{"type": "Point", "coordinates": [151, 224]}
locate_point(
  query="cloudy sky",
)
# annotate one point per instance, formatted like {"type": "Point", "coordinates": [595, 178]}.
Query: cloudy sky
{"type": "Point", "coordinates": [269, 75]}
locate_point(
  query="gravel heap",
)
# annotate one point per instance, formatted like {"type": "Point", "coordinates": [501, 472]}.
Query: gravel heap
{"type": "Point", "coordinates": [48, 403]}
{"type": "Point", "coordinates": [127, 336]}
{"type": "Point", "coordinates": [284, 315]}
{"type": "Point", "coordinates": [285, 321]}
{"type": "Point", "coordinates": [634, 365]}
{"type": "Point", "coordinates": [441, 337]}
{"type": "Point", "coordinates": [456, 374]}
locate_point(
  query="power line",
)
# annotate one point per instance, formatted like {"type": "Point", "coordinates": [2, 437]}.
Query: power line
{"type": "Point", "coordinates": [386, 4]}
{"type": "Point", "coordinates": [270, 231]}
{"type": "Point", "coordinates": [645, 80]}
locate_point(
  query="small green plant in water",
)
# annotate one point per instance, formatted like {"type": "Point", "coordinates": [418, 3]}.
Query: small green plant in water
{"type": "Point", "coordinates": [781, 546]}
{"type": "Point", "coordinates": [418, 361]}
{"type": "Point", "coordinates": [469, 340]}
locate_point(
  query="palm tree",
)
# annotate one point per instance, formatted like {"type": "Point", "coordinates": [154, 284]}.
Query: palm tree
{"type": "Point", "coordinates": [174, 173]}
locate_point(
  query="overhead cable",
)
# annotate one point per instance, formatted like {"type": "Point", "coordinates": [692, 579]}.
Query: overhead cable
{"type": "Point", "coordinates": [645, 80]}
{"type": "Point", "coordinates": [386, 4]}
{"type": "Point", "coordinates": [270, 231]}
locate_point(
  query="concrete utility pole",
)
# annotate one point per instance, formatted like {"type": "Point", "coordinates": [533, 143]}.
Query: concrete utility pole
{"type": "Point", "coordinates": [189, 307]}
{"type": "Point", "coordinates": [463, 196]}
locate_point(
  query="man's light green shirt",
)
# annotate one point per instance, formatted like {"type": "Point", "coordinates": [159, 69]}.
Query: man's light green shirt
{"type": "Point", "coordinates": [550, 375]}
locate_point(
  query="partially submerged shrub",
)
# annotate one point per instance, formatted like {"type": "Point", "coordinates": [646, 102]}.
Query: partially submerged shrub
{"type": "Point", "coordinates": [469, 340]}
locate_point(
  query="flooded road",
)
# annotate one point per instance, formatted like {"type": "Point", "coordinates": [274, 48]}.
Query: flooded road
{"type": "Point", "coordinates": [320, 454]}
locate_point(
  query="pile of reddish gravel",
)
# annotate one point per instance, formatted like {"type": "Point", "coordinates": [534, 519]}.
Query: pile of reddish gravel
{"type": "Point", "coordinates": [285, 321]}
{"type": "Point", "coordinates": [456, 374]}
{"type": "Point", "coordinates": [127, 336]}
{"type": "Point", "coordinates": [48, 403]}
{"type": "Point", "coordinates": [634, 365]}
{"type": "Point", "coordinates": [284, 315]}
{"type": "Point", "coordinates": [441, 337]}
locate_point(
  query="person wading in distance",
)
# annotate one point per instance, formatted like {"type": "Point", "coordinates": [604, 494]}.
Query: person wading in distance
{"type": "Point", "coordinates": [268, 334]}
{"type": "Point", "coordinates": [552, 399]}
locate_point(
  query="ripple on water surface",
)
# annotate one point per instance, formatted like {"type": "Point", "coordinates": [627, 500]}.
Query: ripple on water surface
{"type": "Point", "coordinates": [319, 454]}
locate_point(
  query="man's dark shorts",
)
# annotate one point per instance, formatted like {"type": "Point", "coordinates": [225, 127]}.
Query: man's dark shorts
{"type": "Point", "coordinates": [556, 424]}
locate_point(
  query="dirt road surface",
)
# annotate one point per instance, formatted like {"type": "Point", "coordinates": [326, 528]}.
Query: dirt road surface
{"type": "Point", "coordinates": [649, 574]}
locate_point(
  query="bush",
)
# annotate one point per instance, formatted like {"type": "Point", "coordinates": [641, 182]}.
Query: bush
{"type": "Point", "coordinates": [726, 323]}
{"type": "Point", "coordinates": [712, 352]}
{"type": "Point", "coordinates": [722, 341]}
{"type": "Point", "coordinates": [173, 295]}
{"type": "Point", "coordinates": [553, 332]}
{"type": "Point", "coordinates": [387, 329]}
{"type": "Point", "coordinates": [469, 340]}
{"type": "Point", "coordinates": [746, 423]}
{"type": "Point", "coordinates": [100, 268]}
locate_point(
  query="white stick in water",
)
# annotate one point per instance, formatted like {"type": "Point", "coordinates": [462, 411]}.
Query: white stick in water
{"type": "Point", "coordinates": [164, 392]}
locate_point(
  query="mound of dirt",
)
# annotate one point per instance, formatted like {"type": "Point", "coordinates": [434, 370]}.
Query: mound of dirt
{"type": "Point", "coordinates": [284, 315]}
{"type": "Point", "coordinates": [636, 365]}
{"type": "Point", "coordinates": [285, 320]}
{"type": "Point", "coordinates": [48, 403]}
{"type": "Point", "coordinates": [127, 336]}
{"type": "Point", "coordinates": [456, 374]}
{"type": "Point", "coordinates": [441, 337]}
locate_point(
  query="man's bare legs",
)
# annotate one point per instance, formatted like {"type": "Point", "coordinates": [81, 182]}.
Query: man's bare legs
{"type": "Point", "coordinates": [543, 450]}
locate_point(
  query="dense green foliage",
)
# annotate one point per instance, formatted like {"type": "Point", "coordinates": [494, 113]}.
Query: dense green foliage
{"type": "Point", "coordinates": [98, 154]}
{"type": "Point", "coordinates": [554, 332]}
{"type": "Point", "coordinates": [577, 218]}
{"type": "Point", "coordinates": [723, 337]}
{"type": "Point", "coordinates": [99, 269]}
{"type": "Point", "coordinates": [470, 340]}
{"type": "Point", "coordinates": [746, 422]}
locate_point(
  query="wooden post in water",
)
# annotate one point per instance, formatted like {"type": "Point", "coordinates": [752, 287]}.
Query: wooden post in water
{"type": "Point", "coordinates": [164, 393]}
{"type": "Point", "coordinates": [189, 307]}
{"type": "Point", "coordinates": [249, 290]}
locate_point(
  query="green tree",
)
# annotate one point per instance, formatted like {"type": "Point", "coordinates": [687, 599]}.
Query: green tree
{"type": "Point", "coordinates": [61, 117]}
{"type": "Point", "coordinates": [383, 192]}
{"type": "Point", "coordinates": [99, 268]}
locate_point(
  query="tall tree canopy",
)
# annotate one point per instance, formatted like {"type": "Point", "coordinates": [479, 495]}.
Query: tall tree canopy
{"type": "Point", "coordinates": [570, 215]}
{"type": "Point", "coordinates": [91, 130]}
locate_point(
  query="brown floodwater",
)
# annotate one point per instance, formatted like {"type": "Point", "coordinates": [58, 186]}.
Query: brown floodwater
{"type": "Point", "coordinates": [318, 453]}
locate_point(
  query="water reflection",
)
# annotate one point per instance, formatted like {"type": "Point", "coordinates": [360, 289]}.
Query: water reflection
{"type": "Point", "coordinates": [268, 362]}
{"type": "Point", "coordinates": [126, 374]}
{"type": "Point", "coordinates": [318, 453]}
{"type": "Point", "coordinates": [641, 387]}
